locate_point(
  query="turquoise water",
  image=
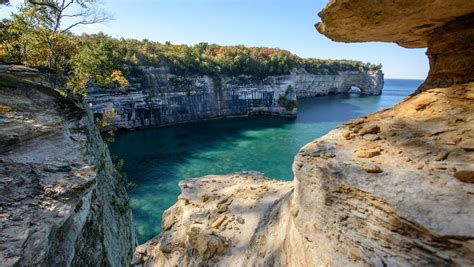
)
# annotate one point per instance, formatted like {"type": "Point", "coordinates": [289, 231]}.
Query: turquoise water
{"type": "Point", "coordinates": [157, 159]}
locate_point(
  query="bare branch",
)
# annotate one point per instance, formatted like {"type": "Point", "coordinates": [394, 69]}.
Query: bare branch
{"type": "Point", "coordinates": [68, 4]}
{"type": "Point", "coordinates": [73, 15]}
{"type": "Point", "coordinates": [86, 22]}
{"type": "Point", "coordinates": [86, 13]}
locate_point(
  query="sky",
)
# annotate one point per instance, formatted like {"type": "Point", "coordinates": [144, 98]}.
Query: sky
{"type": "Point", "coordinates": [286, 24]}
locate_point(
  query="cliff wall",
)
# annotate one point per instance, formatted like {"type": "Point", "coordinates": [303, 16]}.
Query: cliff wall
{"type": "Point", "coordinates": [61, 200]}
{"type": "Point", "coordinates": [390, 189]}
{"type": "Point", "coordinates": [158, 97]}
{"type": "Point", "coordinates": [451, 53]}
{"type": "Point", "coordinates": [394, 188]}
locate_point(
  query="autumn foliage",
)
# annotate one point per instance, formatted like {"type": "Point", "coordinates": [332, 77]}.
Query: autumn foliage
{"type": "Point", "coordinates": [79, 61]}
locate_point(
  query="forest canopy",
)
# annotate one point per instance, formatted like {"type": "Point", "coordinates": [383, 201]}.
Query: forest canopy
{"type": "Point", "coordinates": [33, 37]}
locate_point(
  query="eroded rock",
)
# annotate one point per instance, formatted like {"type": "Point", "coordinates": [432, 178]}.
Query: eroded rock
{"type": "Point", "coordinates": [416, 212]}
{"type": "Point", "coordinates": [207, 243]}
{"type": "Point", "coordinates": [372, 168]}
{"type": "Point", "coordinates": [407, 23]}
{"type": "Point", "coordinates": [219, 237]}
{"type": "Point", "coordinates": [445, 27]}
{"type": "Point", "coordinates": [369, 129]}
{"type": "Point", "coordinates": [401, 207]}
{"type": "Point", "coordinates": [61, 202]}
{"type": "Point", "coordinates": [162, 102]}
{"type": "Point", "coordinates": [467, 144]}
{"type": "Point", "coordinates": [466, 176]}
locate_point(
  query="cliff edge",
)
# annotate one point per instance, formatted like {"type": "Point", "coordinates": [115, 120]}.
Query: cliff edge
{"type": "Point", "coordinates": [394, 188]}
{"type": "Point", "coordinates": [61, 200]}
{"type": "Point", "coordinates": [158, 97]}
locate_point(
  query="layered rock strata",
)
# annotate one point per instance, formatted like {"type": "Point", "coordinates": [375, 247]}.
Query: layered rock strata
{"type": "Point", "coordinates": [214, 220]}
{"type": "Point", "coordinates": [391, 189]}
{"type": "Point", "coordinates": [407, 23]}
{"type": "Point", "coordinates": [394, 188]}
{"type": "Point", "coordinates": [451, 53]}
{"type": "Point", "coordinates": [158, 97]}
{"type": "Point", "coordinates": [61, 200]}
{"type": "Point", "coordinates": [445, 27]}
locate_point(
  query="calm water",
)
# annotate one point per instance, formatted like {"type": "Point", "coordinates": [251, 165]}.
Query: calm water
{"type": "Point", "coordinates": [157, 159]}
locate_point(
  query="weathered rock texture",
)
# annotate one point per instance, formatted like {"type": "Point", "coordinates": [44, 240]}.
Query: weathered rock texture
{"type": "Point", "coordinates": [451, 53]}
{"type": "Point", "coordinates": [391, 189]}
{"type": "Point", "coordinates": [61, 201]}
{"type": "Point", "coordinates": [405, 22]}
{"type": "Point", "coordinates": [215, 220]}
{"type": "Point", "coordinates": [446, 27]}
{"type": "Point", "coordinates": [412, 210]}
{"type": "Point", "coordinates": [160, 98]}
{"type": "Point", "coordinates": [405, 201]}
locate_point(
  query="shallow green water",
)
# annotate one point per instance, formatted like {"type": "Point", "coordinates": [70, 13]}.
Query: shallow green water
{"type": "Point", "coordinates": [157, 159]}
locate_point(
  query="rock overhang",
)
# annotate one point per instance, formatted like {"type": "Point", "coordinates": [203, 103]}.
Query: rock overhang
{"type": "Point", "coordinates": [405, 22]}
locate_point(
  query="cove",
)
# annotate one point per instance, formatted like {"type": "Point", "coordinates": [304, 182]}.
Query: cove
{"type": "Point", "coordinates": [157, 159]}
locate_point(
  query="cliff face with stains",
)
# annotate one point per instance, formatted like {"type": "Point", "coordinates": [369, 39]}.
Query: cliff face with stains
{"type": "Point", "coordinates": [394, 188]}
{"type": "Point", "coordinates": [158, 97]}
{"type": "Point", "coordinates": [62, 203]}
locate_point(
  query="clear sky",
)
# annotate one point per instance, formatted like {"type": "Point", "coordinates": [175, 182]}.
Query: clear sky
{"type": "Point", "coordinates": [286, 24]}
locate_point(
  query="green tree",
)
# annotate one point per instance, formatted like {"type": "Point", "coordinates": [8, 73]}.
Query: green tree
{"type": "Point", "coordinates": [52, 13]}
{"type": "Point", "coordinates": [96, 62]}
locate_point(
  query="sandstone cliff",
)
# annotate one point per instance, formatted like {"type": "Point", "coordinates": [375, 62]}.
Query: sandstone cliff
{"type": "Point", "coordinates": [158, 97]}
{"type": "Point", "coordinates": [61, 200]}
{"type": "Point", "coordinates": [394, 188]}
{"type": "Point", "coordinates": [445, 27]}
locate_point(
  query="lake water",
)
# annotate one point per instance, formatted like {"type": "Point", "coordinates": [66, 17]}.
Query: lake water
{"type": "Point", "coordinates": [157, 159]}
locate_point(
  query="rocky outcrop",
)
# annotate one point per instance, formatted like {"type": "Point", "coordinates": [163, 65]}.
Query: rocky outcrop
{"type": "Point", "coordinates": [451, 53]}
{"type": "Point", "coordinates": [390, 189]}
{"type": "Point", "coordinates": [445, 27]}
{"type": "Point", "coordinates": [158, 97]}
{"type": "Point", "coordinates": [391, 197]}
{"type": "Point", "coordinates": [61, 200]}
{"type": "Point", "coordinates": [407, 23]}
{"type": "Point", "coordinates": [214, 220]}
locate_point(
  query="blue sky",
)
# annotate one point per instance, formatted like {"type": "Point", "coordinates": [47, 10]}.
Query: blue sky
{"type": "Point", "coordinates": [286, 24]}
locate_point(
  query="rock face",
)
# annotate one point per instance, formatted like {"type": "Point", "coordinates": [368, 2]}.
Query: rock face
{"type": "Point", "coordinates": [160, 98]}
{"type": "Point", "coordinates": [412, 211]}
{"type": "Point", "coordinates": [405, 205]}
{"type": "Point", "coordinates": [215, 220]}
{"type": "Point", "coordinates": [445, 27]}
{"type": "Point", "coordinates": [407, 23]}
{"type": "Point", "coordinates": [61, 200]}
{"type": "Point", "coordinates": [451, 53]}
{"type": "Point", "coordinates": [394, 188]}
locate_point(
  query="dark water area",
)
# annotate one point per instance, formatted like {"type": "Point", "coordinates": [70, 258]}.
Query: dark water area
{"type": "Point", "coordinates": [157, 159]}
